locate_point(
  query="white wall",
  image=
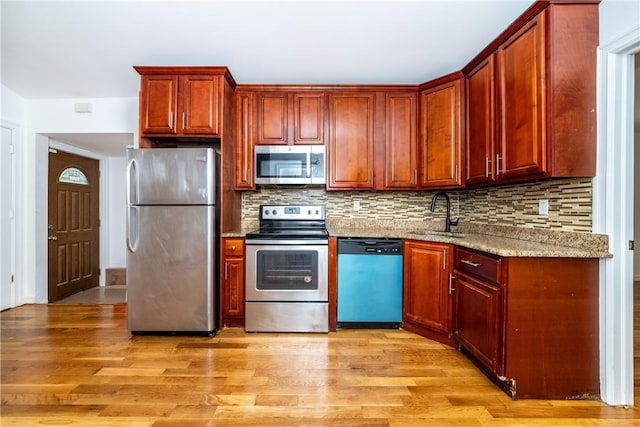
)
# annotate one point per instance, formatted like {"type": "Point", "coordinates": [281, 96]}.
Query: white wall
{"type": "Point", "coordinates": [37, 119]}
{"type": "Point", "coordinates": [617, 17]}
{"type": "Point", "coordinates": [111, 115]}
{"type": "Point", "coordinates": [116, 256]}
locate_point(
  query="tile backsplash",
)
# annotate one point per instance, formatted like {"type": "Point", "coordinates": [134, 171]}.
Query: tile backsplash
{"type": "Point", "coordinates": [512, 205]}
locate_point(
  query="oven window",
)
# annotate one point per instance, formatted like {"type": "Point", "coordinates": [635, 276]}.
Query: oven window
{"type": "Point", "coordinates": [287, 270]}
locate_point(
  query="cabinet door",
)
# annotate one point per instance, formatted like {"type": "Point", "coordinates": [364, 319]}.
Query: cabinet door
{"type": "Point", "coordinates": [158, 104]}
{"type": "Point", "coordinates": [234, 283]}
{"type": "Point", "coordinates": [351, 140]}
{"type": "Point", "coordinates": [308, 118]}
{"type": "Point", "coordinates": [480, 148]}
{"type": "Point", "coordinates": [244, 142]}
{"type": "Point", "coordinates": [233, 278]}
{"type": "Point", "coordinates": [477, 320]}
{"type": "Point", "coordinates": [440, 136]}
{"type": "Point", "coordinates": [273, 117]}
{"type": "Point", "coordinates": [427, 301]}
{"type": "Point", "coordinates": [521, 62]}
{"type": "Point", "coordinates": [200, 98]}
{"type": "Point", "coordinates": [401, 157]}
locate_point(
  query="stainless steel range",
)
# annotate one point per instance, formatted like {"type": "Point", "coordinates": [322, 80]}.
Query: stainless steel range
{"type": "Point", "coordinates": [287, 271]}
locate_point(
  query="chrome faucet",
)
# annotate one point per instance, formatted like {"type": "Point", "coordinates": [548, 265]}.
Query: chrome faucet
{"type": "Point", "coordinates": [449, 222]}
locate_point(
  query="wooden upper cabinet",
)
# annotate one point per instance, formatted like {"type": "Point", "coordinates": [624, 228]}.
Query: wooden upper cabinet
{"type": "Point", "coordinates": [522, 149]}
{"type": "Point", "coordinates": [200, 98]}
{"type": "Point", "coordinates": [158, 104]}
{"type": "Point", "coordinates": [286, 118]}
{"type": "Point", "coordinates": [350, 151]}
{"type": "Point", "coordinates": [531, 98]}
{"type": "Point", "coordinates": [480, 123]}
{"type": "Point", "coordinates": [440, 136]}
{"type": "Point", "coordinates": [182, 101]}
{"type": "Point", "coordinates": [401, 143]}
{"type": "Point", "coordinates": [243, 164]}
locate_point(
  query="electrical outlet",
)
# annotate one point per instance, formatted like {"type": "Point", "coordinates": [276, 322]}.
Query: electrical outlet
{"type": "Point", "coordinates": [356, 205]}
{"type": "Point", "coordinates": [543, 207]}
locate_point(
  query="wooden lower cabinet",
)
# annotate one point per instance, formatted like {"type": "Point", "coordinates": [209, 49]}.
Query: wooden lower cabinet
{"type": "Point", "coordinates": [426, 298]}
{"type": "Point", "coordinates": [477, 319]}
{"type": "Point", "coordinates": [232, 281]}
{"type": "Point", "coordinates": [531, 324]}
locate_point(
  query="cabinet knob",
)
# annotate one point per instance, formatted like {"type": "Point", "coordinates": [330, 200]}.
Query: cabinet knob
{"type": "Point", "coordinates": [233, 247]}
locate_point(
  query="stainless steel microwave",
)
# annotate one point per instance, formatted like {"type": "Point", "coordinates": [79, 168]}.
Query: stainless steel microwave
{"type": "Point", "coordinates": [290, 164]}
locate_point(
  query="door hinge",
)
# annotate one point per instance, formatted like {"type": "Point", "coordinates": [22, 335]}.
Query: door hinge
{"type": "Point", "coordinates": [631, 245]}
{"type": "Point", "coordinates": [52, 150]}
{"type": "Point", "coordinates": [11, 149]}
{"type": "Point", "coordinates": [12, 278]}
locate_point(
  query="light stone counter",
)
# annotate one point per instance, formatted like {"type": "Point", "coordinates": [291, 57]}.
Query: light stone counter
{"type": "Point", "coordinates": [497, 240]}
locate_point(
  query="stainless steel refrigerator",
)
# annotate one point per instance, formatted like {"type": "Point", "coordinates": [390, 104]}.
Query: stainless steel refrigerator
{"type": "Point", "coordinates": [172, 217]}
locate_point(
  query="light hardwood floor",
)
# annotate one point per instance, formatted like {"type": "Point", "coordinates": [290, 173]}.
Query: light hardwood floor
{"type": "Point", "coordinates": [77, 365]}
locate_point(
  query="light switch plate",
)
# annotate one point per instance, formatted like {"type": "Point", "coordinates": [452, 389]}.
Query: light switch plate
{"type": "Point", "coordinates": [543, 207]}
{"type": "Point", "coordinates": [356, 205]}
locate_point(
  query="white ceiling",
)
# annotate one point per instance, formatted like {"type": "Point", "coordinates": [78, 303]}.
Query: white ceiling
{"type": "Point", "coordinates": [86, 49]}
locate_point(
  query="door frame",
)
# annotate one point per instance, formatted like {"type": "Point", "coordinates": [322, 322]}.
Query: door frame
{"type": "Point", "coordinates": [16, 229]}
{"type": "Point", "coordinates": [613, 214]}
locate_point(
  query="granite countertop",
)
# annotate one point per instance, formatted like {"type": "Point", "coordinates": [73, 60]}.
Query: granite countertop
{"type": "Point", "coordinates": [497, 240]}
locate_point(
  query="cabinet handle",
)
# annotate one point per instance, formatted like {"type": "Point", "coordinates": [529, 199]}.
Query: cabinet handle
{"type": "Point", "coordinates": [451, 288]}
{"type": "Point", "coordinates": [184, 116]}
{"type": "Point", "coordinates": [170, 119]}
{"type": "Point", "coordinates": [455, 178]}
{"type": "Point", "coordinates": [486, 167]}
{"type": "Point", "coordinates": [249, 177]}
{"type": "Point", "coordinates": [498, 158]}
{"type": "Point", "coordinates": [471, 263]}
{"type": "Point", "coordinates": [415, 176]}
{"type": "Point", "coordinates": [444, 260]}
{"type": "Point", "coordinates": [226, 265]}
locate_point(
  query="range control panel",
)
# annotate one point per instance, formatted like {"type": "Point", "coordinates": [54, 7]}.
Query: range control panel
{"type": "Point", "coordinates": [294, 212]}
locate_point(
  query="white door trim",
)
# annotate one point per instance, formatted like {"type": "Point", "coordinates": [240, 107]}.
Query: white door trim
{"type": "Point", "coordinates": [613, 215]}
{"type": "Point", "coordinates": [16, 225]}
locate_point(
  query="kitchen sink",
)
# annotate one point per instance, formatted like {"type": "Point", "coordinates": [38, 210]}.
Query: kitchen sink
{"type": "Point", "coordinates": [439, 233]}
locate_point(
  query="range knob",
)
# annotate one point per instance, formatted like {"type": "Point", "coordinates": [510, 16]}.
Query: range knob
{"type": "Point", "coordinates": [266, 212]}
{"type": "Point", "coordinates": [274, 212]}
{"type": "Point", "coordinates": [309, 212]}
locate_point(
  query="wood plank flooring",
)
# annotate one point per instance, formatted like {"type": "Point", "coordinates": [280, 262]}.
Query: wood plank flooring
{"type": "Point", "coordinates": [77, 365]}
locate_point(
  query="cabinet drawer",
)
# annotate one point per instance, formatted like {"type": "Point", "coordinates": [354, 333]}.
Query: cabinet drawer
{"type": "Point", "coordinates": [478, 264]}
{"type": "Point", "coordinates": [233, 247]}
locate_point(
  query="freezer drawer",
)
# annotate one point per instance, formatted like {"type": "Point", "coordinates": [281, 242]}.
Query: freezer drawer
{"type": "Point", "coordinates": [171, 269]}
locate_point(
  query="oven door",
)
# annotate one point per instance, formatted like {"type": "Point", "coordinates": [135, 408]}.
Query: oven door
{"type": "Point", "coordinates": [280, 271]}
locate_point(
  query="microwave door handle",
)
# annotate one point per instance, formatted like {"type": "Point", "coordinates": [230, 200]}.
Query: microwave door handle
{"type": "Point", "coordinates": [308, 163]}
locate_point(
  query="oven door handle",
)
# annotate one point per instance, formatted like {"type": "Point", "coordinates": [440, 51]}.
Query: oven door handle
{"type": "Point", "coordinates": [286, 242]}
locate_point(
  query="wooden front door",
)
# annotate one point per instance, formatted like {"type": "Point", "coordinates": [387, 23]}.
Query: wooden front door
{"type": "Point", "coordinates": [74, 256]}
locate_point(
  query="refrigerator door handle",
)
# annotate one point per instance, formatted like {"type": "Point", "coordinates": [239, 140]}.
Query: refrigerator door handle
{"type": "Point", "coordinates": [132, 168]}
{"type": "Point", "coordinates": [131, 180]}
{"type": "Point", "coordinates": [132, 231]}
